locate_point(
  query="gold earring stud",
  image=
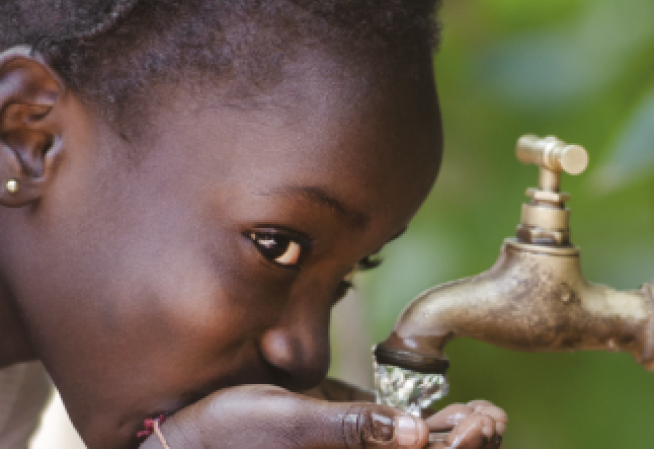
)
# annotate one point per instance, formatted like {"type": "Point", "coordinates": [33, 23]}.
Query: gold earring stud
{"type": "Point", "coordinates": [12, 186]}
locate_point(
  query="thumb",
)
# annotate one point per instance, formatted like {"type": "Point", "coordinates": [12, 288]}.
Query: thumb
{"type": "Point", "coordinates": [364, 425]}
{"type": "Point", "coordinates": [246, 417]}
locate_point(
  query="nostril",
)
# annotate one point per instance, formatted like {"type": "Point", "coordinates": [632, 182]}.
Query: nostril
{"type": "Point", "coordinates": [301, 360]}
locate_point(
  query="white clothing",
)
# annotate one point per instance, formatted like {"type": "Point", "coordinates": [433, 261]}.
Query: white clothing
{"type": "Point", "coordinates": [24, 391]}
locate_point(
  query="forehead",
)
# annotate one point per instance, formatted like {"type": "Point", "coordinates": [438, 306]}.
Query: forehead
{"type": "Point", "coordinates": [359, 131]}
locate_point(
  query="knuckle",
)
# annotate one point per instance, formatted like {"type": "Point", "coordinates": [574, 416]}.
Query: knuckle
{"type": "Point", "coordinates": [487, 420]}
{"type": "Point", "coordinates": [499, 415]}
{"type": "Point", "coordinates": [483, 419]}
{"type": "Point", "coordinates": [457, 413]}
{"type": "Point", "coordinates": [459, 409]}
{"type": "Point", "coordinates": [478, 403]}
{"type": "Point", "coordinates": [494, 412]}
{"type": "Point", "coordinates": [479, 423]}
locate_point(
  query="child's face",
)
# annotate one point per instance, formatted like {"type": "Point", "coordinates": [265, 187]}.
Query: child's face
{"type": "Point", "coordinates": [215, 257]}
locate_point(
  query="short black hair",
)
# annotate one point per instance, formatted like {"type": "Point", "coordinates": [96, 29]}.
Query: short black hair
{"type": "Point", "coordinates": [109, 50]}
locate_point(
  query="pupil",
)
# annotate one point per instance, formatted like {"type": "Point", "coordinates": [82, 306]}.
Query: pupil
{"type": "Point", "coordinates": [273, 246]}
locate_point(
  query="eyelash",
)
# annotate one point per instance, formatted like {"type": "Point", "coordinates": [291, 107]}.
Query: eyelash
{"type": "Point", "coordinates": [367, 263]}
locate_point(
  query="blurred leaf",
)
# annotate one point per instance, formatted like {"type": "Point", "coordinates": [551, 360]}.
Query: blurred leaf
{"type": "Point", "coordinates": [566, 63]}
{"type": "Point", "coordinates": [581, 70]}
{"type": "Point", "coordinates": [632, 156]}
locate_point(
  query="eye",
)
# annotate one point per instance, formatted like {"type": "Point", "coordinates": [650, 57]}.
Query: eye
{"type": "Point", "coordinates": [277, 248]}
{"type": "Point", "coordinates": [365, 264]}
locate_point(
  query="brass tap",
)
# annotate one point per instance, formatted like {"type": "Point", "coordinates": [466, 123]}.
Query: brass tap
{"type": "Point", "coordinates": [535, 297]}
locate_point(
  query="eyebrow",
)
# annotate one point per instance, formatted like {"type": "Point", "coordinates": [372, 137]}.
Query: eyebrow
{"type": "Point", "coordinates": [322, 198]}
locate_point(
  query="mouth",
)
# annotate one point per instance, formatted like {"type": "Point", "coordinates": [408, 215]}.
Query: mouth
{"type": "Point", "coordinates": [142, 422]}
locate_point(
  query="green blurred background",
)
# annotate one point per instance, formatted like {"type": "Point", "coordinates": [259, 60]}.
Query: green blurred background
{"type": "Point", "coordinates": [582, 70]}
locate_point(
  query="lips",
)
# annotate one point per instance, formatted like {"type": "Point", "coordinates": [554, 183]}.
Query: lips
{"type": "Point", "coordinates": [264, 374]}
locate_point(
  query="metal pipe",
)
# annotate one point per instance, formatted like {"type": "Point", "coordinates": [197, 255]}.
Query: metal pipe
{"type": "Point", "coordinates": [534, 299]}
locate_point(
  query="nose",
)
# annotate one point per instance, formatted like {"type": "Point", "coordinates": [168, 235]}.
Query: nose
{"type": "Point", "coordinates": [298, 348]}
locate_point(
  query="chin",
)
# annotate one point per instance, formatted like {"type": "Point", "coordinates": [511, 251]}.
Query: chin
{"type": "Point", "coordinates": [117, 423]}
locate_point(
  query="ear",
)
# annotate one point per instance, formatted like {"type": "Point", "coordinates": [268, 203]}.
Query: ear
{"type": "Point", "coordinates": [30, 138]}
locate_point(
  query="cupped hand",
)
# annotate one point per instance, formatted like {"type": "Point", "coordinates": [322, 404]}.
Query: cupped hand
{"type": "Point", "coordinates": [258, 416]}
{"type": "Point", "coordinates": [476, 425]}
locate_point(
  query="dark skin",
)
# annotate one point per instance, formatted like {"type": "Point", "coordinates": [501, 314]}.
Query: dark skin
{"type": "Point", "coordinates": [191, 278]}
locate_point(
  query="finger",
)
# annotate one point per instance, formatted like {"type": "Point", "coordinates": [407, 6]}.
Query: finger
{"type": "Point", "coordinates": [449, 417]}
{"type": "Point", "coordinates": [493, 443]}
{"type": "Point", "coordinates": [487, 408]}
{"type": "Point", "coordinates": [367, 426]}
{"type": "Point", "coordinates": [476, 431]}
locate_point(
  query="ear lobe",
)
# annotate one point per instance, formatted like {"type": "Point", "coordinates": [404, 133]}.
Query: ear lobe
{"type": "Point", "coordinates": [29, 137]}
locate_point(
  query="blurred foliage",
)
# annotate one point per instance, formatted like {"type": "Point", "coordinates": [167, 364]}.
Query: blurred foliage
{"type": "Point", "coordinates": [583, 71]}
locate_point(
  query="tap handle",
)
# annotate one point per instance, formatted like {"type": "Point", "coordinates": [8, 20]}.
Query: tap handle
{"type": "Point", "coordinates": [552, 154]}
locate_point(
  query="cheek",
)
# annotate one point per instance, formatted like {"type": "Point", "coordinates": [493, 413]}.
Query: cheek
{"type": "Point", "coordinates": [200, 296]}
{"type": "Point", "coordinates": [206, 305]}
{"type": "Point", "coordinates": [176, 324]}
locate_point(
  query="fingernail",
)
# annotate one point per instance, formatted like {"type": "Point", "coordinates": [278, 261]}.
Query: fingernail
{"type": "Point", "coordinates": [487, 431]}
{"type": "Point", "coordinates": [406, 431]}
{"type": "Point", "coordinates": [500, 427]}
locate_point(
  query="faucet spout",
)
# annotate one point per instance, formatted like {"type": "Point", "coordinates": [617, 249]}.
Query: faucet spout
{"type": "Point", "coordinates": [534, 298]}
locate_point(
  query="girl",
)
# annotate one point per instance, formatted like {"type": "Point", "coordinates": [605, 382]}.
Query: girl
{"type": "Point", "coordinates": [186, 187]}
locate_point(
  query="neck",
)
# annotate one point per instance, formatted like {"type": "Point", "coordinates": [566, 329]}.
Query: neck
{"type": "Point", "coordinates": [15, 345]}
